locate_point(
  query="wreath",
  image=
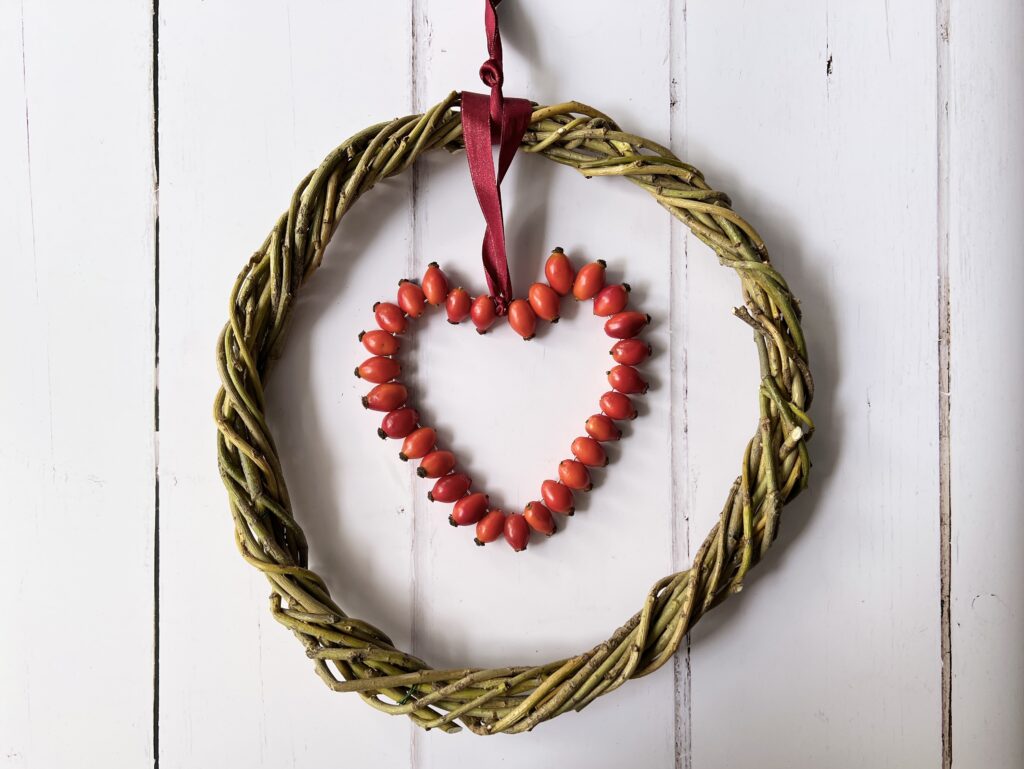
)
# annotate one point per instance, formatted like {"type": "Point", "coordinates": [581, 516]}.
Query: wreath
{"type": "Point", "coordinates": [351, 655]}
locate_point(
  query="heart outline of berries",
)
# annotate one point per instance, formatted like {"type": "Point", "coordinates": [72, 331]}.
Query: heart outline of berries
{"type": "Point", "coordinates": [401, 421]}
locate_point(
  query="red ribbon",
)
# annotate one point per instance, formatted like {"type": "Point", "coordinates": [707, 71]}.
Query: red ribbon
{"type": "Point", "coordinates": [487, 120]}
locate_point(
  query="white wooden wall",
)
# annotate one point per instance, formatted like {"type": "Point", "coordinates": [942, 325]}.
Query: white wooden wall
{"type": "Point", "coordinates": [877, 146]}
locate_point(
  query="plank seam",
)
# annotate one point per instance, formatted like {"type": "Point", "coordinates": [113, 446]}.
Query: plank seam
{"type": "Point", "coordinates": [678, 418]}
{"type": "Point", "coordinates": [155, 45]}
{"type": "Point", "coordinates": [413, 258]}
{"type": "Point", "coordinates": [942, 10]}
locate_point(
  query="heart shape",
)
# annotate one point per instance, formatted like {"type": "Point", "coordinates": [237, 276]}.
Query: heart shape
{"type": "Point", "coordinates": [401, 420]}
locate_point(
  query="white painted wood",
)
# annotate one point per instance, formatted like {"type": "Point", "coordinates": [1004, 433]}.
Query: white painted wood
{"type": "Point", "coordinates": [512, 409]}
{"type": "Point", "coordinates": [827, 124]}
{"type": "Point", "coordinates": [985, 186]}
{"type": "Point", "coordinates": [251, 98]}
{"type": "Point", "coordinates": [76, 394]}
{"type": "Point", "coordinates": [820, 120]}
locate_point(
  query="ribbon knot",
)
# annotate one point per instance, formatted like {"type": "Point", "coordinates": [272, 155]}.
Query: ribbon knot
{"type": "Point", "coordinates": [491, 74]}
{"type": "Point", "coordinates": [486, 119]}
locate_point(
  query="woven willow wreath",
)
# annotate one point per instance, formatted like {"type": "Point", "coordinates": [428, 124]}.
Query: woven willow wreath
{"type": "Point", "coordinates": [353, 656]}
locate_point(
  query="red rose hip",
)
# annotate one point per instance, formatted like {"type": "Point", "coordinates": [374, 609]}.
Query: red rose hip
{"type": "Point", "coordinates": [559, 272]}
{"type": "Point", "coordinates": [558, 497]}
{"type": "Point", "coordinates": [589, 280]}
{"type": "Point", "coordinates": [575, 475]}
{"type": "Point", "coordinates": [379, 369]}
{"type": "Point", "coordinates": [626, 379]}
{"type": "Point", "coordinates": [469, 510]}
{"type": "Point", "coordinates": [611, 299]}
{"type": "Point", "coordinates": [457, 305]}
{"type": "Point", "coordinates": [398, 423]}
{"type": "Point", "coordinates": [589, 452]}
{"type": "Point", "coordinates": [435, 285]}
{"type": "Point", "coordinates": [522, 318]}
{"type": "Point", "coordinates": [418, 444]}
{"type": "Point", "coordinates": [450, 488]}
{"type": "Point", "coordinates": [379, 342]}
{"type": "Point", "coordinates": [625, 325]}
{"type": "Point", "coordinates": [386, 397]}
{"type": "Point", "coordinates": [483, 313]}
{"type": "Point", "coordinates": [539, 518]}
{"type": "Point", "coordinates": [601, 428]}
{"type": "Point", "coordinates": [617, 406]}
{"type": "Point", "coordinates": [631, 352]}
{"type": "Point", "coordinates": [389, 317]}
{"type": "Point", "coordinates": [544, 302]}
{"type": "Point", "coordinates": [435, 464]}
{"type": "Point", "coordinates": [411, 298]}
{"type": "Point", "coordinates": [490, 527]}
{"type": "Point", "coordinates": [517, 532]}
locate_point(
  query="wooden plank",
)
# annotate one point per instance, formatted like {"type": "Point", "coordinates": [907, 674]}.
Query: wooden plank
{"type": "Point", "coordinates": [822, 128]}
{"type": "Point", "coordinates": [985, 183]}
{"type": "Point", "coordinates": [511, 409]}
{"type": "Point", "coordinates": [76, 396]}
{"type": "Point", "coordinates": [251, 99]}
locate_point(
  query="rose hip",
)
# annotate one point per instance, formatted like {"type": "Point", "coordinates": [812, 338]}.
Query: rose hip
{"type": "Point", "coordinates": [625, 325]}
{"type": "Point", "coordinates": [517, 532]}
{"type": "Point", "coordinates": [379, 342]}
{"type": "Point", "coordinates": [522, 318]}
{"type": "Point", "coordinates": [435, 285]}
{"type": "Point", "coordinates": [631, 352]}
{"type": "Point", "coordinates": [398, 423]}
{"type": "Point", "coordinates": [575, 475]}
{"type": "Point", "coordinates": [589, 280]}
{"type": "Point", "coordinates": [559, 272]}
{"type": "Point", "coordinates": [389, 317]}
{"type": "Point", "coordinates": [457, 305]}
{"type": "Point", "coordinates": [418, 444]}
{"type": "Point", "coordinates": [379, 369]}
{"type": "Point", "coordinates": [450, 488]}
{"type": "Point", "coordinates": [589, 452]}
{"type": "Point", "coordinates": [544, 302]}
{"type": "Point", "coordinates": [386, 397]}
{"type": "Point", "coordinates": [611, 299]}
{"type": "Point", "coordinates": [601, 428]}
{"type": "Point", "coordinates": [627, 379]}
{"type": "Point", "coordinates": [435, 464]}
{"type": "Point", "coordinates": [490, 527]}
{"type": "Point", "coordinates": [539, 518]}
{"type": "Point", "coordinates": [483, 313]}
{"type": "Point", "coordinates": [469, 510]}
{"type": "Point", "coordinates": [617, 406]}
{"type": "Point", "coordinates": [558, 497]}
{"type": "Point", "coordinates": [411, 298]}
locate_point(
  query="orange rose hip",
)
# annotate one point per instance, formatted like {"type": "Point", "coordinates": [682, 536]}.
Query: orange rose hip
{"type": "Point", "coordinates": [522, 318]}
{"type": "Point", "coordinates": [544, 302]}
{"type": "Point", "coordinates": [589, 280]}
{"type": "Point", "coordinates": [435, 285]}
{"type": "Point", "coordinates": [490, 527]}
{"type": "Point", "coordinates": [575, 475]}
{"type": "Point", "coordinates": [379, 369]}
{"type": "Point", "coordinates": [558, 497]}
{"type": "Point", "coordinates": [379, 342]}
{"type": "Point", "coordinates": [559, 272]}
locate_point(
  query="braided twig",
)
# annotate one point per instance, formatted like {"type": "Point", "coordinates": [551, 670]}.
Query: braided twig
{"type": "Point", "coordinates": [353, 656]}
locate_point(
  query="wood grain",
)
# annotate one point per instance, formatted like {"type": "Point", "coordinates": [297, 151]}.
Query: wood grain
{"type": "Point", "coordinates": [76, 393]}
{"type": "Point", "coordinates": [826, 137]}
{"type": "Point", "coordinates": [985, 169]}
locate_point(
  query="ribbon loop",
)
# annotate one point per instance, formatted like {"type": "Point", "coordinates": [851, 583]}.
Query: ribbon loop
{"type": "Point", "coordinates": [487, 119]}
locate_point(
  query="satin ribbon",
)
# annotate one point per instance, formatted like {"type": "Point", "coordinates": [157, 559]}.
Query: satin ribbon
{"type": "Point", "coordinates": [488, 120]}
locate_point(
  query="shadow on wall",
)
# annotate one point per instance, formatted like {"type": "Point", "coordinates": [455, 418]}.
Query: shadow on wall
{"type": "Point", "coordinates": [804, 273]}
